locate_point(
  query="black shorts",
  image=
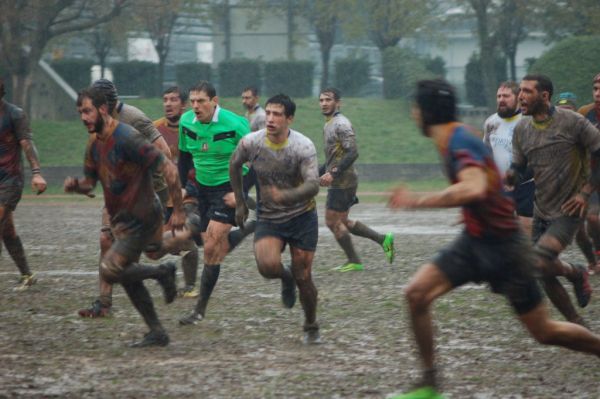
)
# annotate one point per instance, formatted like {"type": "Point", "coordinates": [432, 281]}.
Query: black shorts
{"type": "Point", "coordinates": [505, 263]}
{"type": "Point", "coordinates": [301, 232]}
{"type": "Point", "coordinates": [524, 195]}
{"type": "Point", "coordinates": [562, 228]}
{"type": "Point", "coordinates": [211, 205]}
{"type": "Point", "coordinates": [341, 199]}
{"type": "Point", "coordinates": [10, 197]}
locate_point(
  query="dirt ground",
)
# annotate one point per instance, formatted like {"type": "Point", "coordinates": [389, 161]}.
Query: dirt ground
{"type": "Point", "coordinates": [250, 346]}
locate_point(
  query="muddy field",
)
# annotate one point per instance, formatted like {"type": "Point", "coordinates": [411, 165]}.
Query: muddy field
{"type": "Point", "coordinates": [250, 346]}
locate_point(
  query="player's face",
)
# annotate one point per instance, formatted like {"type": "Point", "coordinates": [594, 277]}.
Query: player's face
{"type": "Point", "coordinates": [203, 106]}
{"type": "Point", "coordinates": [531, 101]}
{"type": "Point", "coordinates": [417, 116]}
{"type": "Point", "coordinates": [249, 100]}
{"type": "Point", "coordinates": [172, 106]}
{"type": "Point", "coordinates": [91, 116]}
{"type": "Point", "coordinates": [277, 122]}
{"type": "Point", "coordinates": [506, 102]}
{"type": "Point", "coordinates": [328, 104]}
{"type": "Point", "coordinates": [596, 93]}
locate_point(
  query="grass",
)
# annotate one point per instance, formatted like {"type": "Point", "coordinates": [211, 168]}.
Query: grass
{"type": "Point", "coordinates": [385, 132]}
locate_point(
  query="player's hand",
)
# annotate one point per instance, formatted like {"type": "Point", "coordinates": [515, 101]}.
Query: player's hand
{"type": "Point", "coordinates": [241, 214]}
{"type": "Point", "coordinates": [177, 220]}
{"type": "Point", "coordinates": [38, 183]}
{"type": "Point", "coordinates": [401, 198]}
{"type": "Point", "coordinates": [229, 199]}
{"type": "Point", "coordinates": [275, 194]}
{"type": "Point", "coordinates": [575, 206]}
{"type": "Point", "coordinates": [325, 180]}
{"type": "Point", "coordinates": [71, 184]}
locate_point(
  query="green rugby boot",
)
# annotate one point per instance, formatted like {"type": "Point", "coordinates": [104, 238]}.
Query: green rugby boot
{"type": "Point", "coordinates": [388, 247]}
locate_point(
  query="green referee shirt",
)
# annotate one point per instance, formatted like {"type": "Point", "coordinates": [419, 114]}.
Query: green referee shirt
{"type": "Point", "coordinates": [211, 144]}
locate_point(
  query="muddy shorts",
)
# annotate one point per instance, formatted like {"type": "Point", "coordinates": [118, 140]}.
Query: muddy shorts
{"type": "Point", "coordinates": [301, 232]}
{"type": "Point", "coordinates": [524, 195]}
{"type": "Point", "coordinates": [341, 199]}
{"type": "Point", "coordinates": [562, 228]}
{"type": "Point", "coordinates": [505, 263]}
{"type": "Point", "coordinates": [10, 197]}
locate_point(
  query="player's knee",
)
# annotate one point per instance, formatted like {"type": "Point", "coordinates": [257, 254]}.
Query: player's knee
{"type": "Point", "coordinates": [546, 258]}
{"type": "Point", "coordinates": [110, 271]}
{"type": "Point", "coordinates": [269, 268]}
{"type": "Point", "coordinates": [416, 298]}
{"type": "Point", "coordinates": [106, 239]}
{"type": "Point", "coordinates": [9, 232]}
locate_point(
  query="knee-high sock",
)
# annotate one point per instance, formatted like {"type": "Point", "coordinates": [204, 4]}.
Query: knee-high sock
{"type": "Point", "coordinates": [140, 298]}
{"type": "Point", "coordinates": [14, 246]}
{"type": "Point", "coordinates": [345, 242]}
{"type": "Point", "coordinates": [208, 280]}
{"type": "Point", "coordinates": [235, 237]}
{"type": "Point", "coordinates": [139, 272]}
{"type": "Point", "coordinates": [362, 230]}
{"type": "Point", "coordinates": [189, 264]}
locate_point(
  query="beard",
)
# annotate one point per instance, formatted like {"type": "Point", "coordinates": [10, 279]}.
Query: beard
{"type": "Point", "coordinates": [505, 112]}
{"type": "Point", "coordinates": [99, 125]}
{"type": "Point", "coordinates": [538, 107]}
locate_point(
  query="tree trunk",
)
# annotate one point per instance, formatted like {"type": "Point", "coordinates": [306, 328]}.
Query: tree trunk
{"type": "Point", "coordinates": [512, 63]}
{"type": "Point", "coordinates": [486, 46]}
{"type": "Point", "coordinates": [21, 89]}
{"type": "Point", "coordinates": [290, 31]}
{"type": "Point", "coordinates": [325, 53]}
{"type": "Point", "coordinates": [227, 29]}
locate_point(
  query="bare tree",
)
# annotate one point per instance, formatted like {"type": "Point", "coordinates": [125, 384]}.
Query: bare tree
{"type": "Point", "coordinates": [106, 38]}
{"type": "Point", "coordinates": [514, 18]}
{"type": "Point", "coordinates": [26, 26]}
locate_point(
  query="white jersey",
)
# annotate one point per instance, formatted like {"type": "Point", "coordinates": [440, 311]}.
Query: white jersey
{"type": "Point", "coordinates": [498, 136]}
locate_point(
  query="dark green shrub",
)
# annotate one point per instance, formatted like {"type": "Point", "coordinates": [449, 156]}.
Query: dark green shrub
{"type": "Point", "coordinates": [437, 66]}
{"type": "Point", "coordinates": [474, 79]}
{"type": "Point", "coordinates": [294, 78]}
{"type": "Point", "coordinates": [190, 73]}
{"type": "Point", "coordinates": [136, 78]}
{"type": "Point", "coordinates": [351, 75]}
{"type": "Point", "coordinates": [236, 74]}
{"type": "Point", "coordinates": [571, 64]}
{"type": "Point", "coordinates": [402, 69]}
{"type": "Point", "coordinates": [76, 72]}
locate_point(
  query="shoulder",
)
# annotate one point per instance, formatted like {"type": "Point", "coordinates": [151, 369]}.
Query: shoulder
{"type": "Point", "coordinates": [231, 118]}
{"type": "Point", "coordinates": [160, 122]}
{"type": "Point", "coordinates": [187, 118]}
{"type": "Point", "coordinates": [585, 110]}
{"type": "Point", "coordinates": [463, 137]}
{"type": "Point", "coordinates": [341, 122]}
{"type": "Point", "coordinates": [300, 139]}
{"type": "Point", "coordinates": [13, 111]}
{"type": "Point", "coordinates": [492, 119]}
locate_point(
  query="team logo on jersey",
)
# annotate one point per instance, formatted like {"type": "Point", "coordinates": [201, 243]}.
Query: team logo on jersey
{"type": "Point", "coordinates": [204, 147]}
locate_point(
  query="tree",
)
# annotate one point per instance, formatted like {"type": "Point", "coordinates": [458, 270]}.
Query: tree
{"type": "Point", "coordinates": [26, 26]}
{"type": "Point", "coordinates": [512, 30]}
{"type": "Point", "coordinates": [105, 38]}
{"type": "Point", "coordinates": [565, 18]}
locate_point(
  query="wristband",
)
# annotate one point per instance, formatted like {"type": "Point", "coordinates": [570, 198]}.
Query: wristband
{"type": "Point", "coordinates": [35, 171]}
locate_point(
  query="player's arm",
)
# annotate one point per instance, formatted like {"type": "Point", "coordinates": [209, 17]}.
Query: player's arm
{"type": "Point", "coordinates": [517, 172]}
{"type": "Point", "coordinates": [237, 160]}
{"type": "Point", "coordinates": [144, 125]}
{"type": "Point", "coordinates": [472, 186]}
{"type": "Point", "coordinates": [348, 144]}
{"type": "Point", "coordinates": [309, 170]}
{"type": "Point", "coordinates": [169, 171]}
{"type": "Point", "coordinates": [38, 183]}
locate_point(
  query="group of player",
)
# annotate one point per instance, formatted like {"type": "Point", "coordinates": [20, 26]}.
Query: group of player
{"type": "Point", "coordinates": [534, 154]}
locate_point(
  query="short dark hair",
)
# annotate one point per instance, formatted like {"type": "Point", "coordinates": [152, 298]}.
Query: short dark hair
{"type": "Point", "coordinates": [251, 89]}
{"type": "Point", "coordinates": [110, 92]}
{"type": "Point", "coordinates": [175, 89]}
{"type": "Point", "coordinates": [289, 105]}
{"type": "Point", "coordinates": [436, 99]}
{"type": "Point", "coordinates": [96, 94]}
{"type": "Point", "coordinates": [337, 94]}
{"type": "Point", "coordinates": [205, 87]}
{"type": "Point", "coordinates": [512, 85]}
{"type": "Point", "coordinates": [543, 83]}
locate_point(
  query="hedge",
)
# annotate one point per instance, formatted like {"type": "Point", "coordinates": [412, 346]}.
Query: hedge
{"type": "Point", "coordinates": [474, 79]}
{"type": "Point", "coordinates": [76, 72]}
{"type": "Point", "coordinates": [236, 74]}
{"type": "Point", "coordinates": [190, 73]}
{"type": "Point", "coordinates": [402, 68]}
{"type": "Point", "coordinates": [571, 64]}
{"type": "Point", "coordinates": [294, 78]}
{"type": "Point", "coordinates": [138, 78]}
{"type": "Point", "coordinates": [351, 75]}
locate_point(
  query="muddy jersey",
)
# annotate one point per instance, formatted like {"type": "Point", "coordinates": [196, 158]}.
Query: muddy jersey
{"type": "Point", "coordinates": [493, 215]}
{"type": "Point", "coordinates": [14, 127]}
{"type": "Point", "coordinates": [286, 165]}
{"type": "Point", "coordinates": [340, 140]}
{"type": "Point", "coordinates": [134, 117]}
{"type": "Point", "coordinates": [257, 118]}
{"type": "Point", "coordinates": [123, 162]}
{"type": "Point", "coordinates": [211, 144]}
{"type": "Point", "coordinates": [556, 152]}
{"type": "Point", "coordinates": [590, 112]}
{"type": "Point", "coordinates": [498, 135]}
{"type": "Point", "coordinates": [170, 133]}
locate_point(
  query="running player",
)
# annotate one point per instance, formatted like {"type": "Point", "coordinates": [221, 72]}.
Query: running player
{"type": "Point", "coordinates": [492, 248]}
{"type": "Point", "coordinates": [254, 112]}
{"type": "Point", "coordinates": [592, 113]}
{"type": "Point", "coordinates": [339, 175]}
{"type": "Point", "coordinates": [497, 135]}
{"type": "Point", "coordinates": [554, 143]}
{"type": "Point", "coordinates": [123, 161]}
{"type": "Point", "coordinates": [15, 135]}
{"type": "Point", "coordinates": [208, 135]}
{"type": "Point", "coordinates": [132, 116]}
{"type": "Point", "coordinates": [286, 167]}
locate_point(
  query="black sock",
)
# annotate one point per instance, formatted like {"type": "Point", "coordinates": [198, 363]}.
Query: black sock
{"type": "Point", "coordinates": [140, 298]}
{"type": "Point", "coordinates": [362, 230]}
{"type": "Point", "coordinates": [345, 242]}
{"type": "Point", "coordinates": [14, 246]}
{"type": "Point", "coordinates": [235, 237]}
{"type": "Point", "coordinates": [189, 264]}
{"type": "Point", "coordinates": [138, 272]}
{"type": "Point", "coordinates": [208, 280]}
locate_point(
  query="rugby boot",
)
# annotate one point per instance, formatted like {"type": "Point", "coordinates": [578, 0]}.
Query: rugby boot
{"type": "Point", "coordinates": [152, 338]}
{"type": "Point", "coordinates": [189, 291]}
{"type": "Point", "coordinates": [581, 285]}
{"type": "Point", "coordinates": [349, 267]}
{"type": "Point", "coordinates": [167, 281]}
{"type": "Point", "coordinates": [388, 247]}
{"type": "Point", "coordinates": [191, 320]}
{"type": "Point", "coordinates": [312, 336]}
{"type": "Point", "coordinates": [26, 281]}
{"type": "Point", "coordinates": [96, 310]}
{"type": "Point", "coordinates": [288, 288]}
{"type": "Point", "coordinates": [426, 392]}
